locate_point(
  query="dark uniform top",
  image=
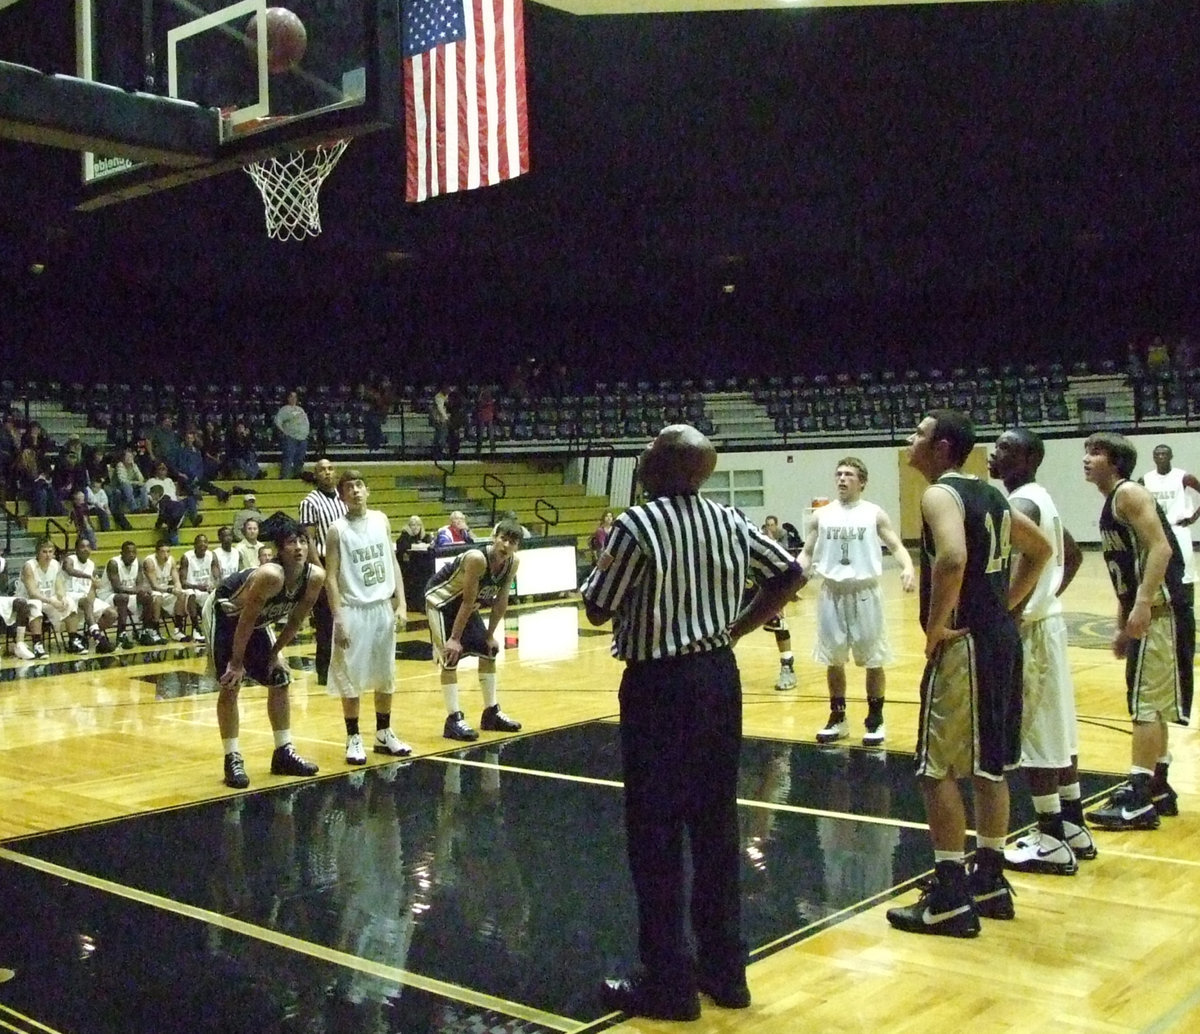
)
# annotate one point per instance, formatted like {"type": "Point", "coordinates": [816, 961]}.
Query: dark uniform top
{"type": "Point", "coordinates": [1125, 556]}
{"type": "Point", "coordinates": [230, 598]}
{"type": "Point", "coordinates": [977, 675]}
{"type": "Point", "coordinates": [987, 521]}
{"type": "Point", "coordinates": [447, 583]}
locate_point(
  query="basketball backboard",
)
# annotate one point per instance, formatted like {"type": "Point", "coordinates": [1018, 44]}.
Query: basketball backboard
{"type": "Point", "coordinates": [216, 53]}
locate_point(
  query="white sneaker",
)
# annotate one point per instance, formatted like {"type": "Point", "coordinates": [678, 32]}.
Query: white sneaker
{"type": "Point", "coordinates": [387, 742]}
{"type": "Point", "coordinates": [355, 754]}
{"type": "Point", "coordinates": [1079, 840]}
{"type": "Point", "coordinates": [22, 651]}
{"type": "Point", "coordinates": [178, 636]}
{"type": "Point", "coordinates": [1039, 852]}
{"type": "Point", "coordinates": [875, 737]}
{"type": "Point", "coordinates": [787, 676]}
{"type": "Point", "coordinates": [198, 638]}
{"type": "Point", "coordinates": [834, 730]}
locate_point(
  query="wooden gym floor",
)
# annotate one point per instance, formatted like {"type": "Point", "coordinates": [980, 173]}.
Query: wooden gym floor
{"type": "Point", "coordinates": [484, 888]}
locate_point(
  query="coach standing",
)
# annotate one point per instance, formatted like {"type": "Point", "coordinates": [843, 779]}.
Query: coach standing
{"type": "Point", "coordinates": [671, 578]}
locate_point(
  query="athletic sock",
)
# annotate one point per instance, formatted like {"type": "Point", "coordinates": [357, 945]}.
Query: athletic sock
{"type": "Point", "coordinates": [450, 696]}
{"type": "Point", "coordinates": [282, 737]}
{"type": "Point", "coordinates": [487, 683]}
{"type": "Point", "coordinates": [231, 745]}
{"type": "Point", "coordinates": [382, 720]}
{"type": "Point", "coordinates": [351, 726]}
{"type": "Point", "coordinates": [874, 713]}
{"type": "Point", "coordinates": [1071, 796]}
{"type": "Point", "coordinates": [1049, 815]}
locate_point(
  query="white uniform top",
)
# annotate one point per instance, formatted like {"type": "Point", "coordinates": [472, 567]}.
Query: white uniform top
{"type": "Point", "coordinates": [160, 577]}
{"type": "Point", "coordinates": [127, 578]}
{"type": "Point", "coordinates": [366, 573]}
{"type": "Point", "coordinates": [229, 561]}
{"type": "Point", "coordinates": [79, 584]}
{"type": "Point", "coordinates": [1045, 600]}
{"type": "Point", "coordinates": [1169, 493]}
{"type": "Point", "coordinates": [199, 569]}
{"type": "Point", "coordinates": [45, 579]}
{"type": "Point", "coordinates": [848, 547]}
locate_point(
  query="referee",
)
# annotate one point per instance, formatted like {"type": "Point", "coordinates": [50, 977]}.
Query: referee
{"type": "Point", "coordinates": [319, 509]}
{"type": "Point", "coordinates": [671, 579]}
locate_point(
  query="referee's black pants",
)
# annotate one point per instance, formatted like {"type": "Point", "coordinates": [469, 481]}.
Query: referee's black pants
{"type": "Point", "coordinates": [323, 622]}
{"type": "Point", "coordinates": [681, 734]}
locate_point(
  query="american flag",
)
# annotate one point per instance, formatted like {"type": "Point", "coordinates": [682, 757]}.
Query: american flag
{"type": "Point", "coordinates": [465, 122]}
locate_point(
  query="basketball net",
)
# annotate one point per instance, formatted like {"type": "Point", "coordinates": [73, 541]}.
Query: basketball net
{"type": "Point", "coordinates": [289, 185]}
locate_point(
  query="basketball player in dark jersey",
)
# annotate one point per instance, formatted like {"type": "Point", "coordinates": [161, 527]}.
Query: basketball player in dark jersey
{"type": "Point", "coordinates": [970, 723]}
{"type": "Point", "coordinates": [237, 624]}
{"type": "Point", "coordinates": [1145, 565]}
{"type": "Point", "coordinates": [452, 599]}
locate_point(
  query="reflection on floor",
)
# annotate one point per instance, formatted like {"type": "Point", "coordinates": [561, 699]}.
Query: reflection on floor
{"type": "Point", "coordinates": [475, 891]}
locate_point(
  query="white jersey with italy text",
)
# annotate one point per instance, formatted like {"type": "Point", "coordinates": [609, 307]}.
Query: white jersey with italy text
{"type": "Point", "coordinates": [848, 548]}
{"type": "Point", "coordinates": [367, 573]}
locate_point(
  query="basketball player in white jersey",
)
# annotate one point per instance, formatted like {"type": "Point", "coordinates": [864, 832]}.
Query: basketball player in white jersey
{"type": "Point", "coordinates": [125, 587]}
{"type": "Point", "coordinates": [1049, 736]}
{"type": "Point", "coordinates": [15, 612]}
{"type": "Point", "coordinates": [43, 585]}
{"type": "Point", "coordinates": [844, 544]}
{"type": "Point", "coordinates": [160, 575]}
{"type": "Point", "coordinates": [199, 574]}
{"type": "Point", "coordinates": [83, 584]}
{"type": "Point", "coordinates": [228, 559]}
{"type": "Point", "coordinates": [366, 598]}
{"type": "Point", "coordinates": [1170, 485]}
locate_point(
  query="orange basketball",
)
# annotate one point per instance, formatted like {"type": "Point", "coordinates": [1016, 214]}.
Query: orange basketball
{"type": "Point", "coordinates": [287, 39]}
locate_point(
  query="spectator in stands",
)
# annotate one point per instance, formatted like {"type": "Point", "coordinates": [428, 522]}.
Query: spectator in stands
{"type": "Point", "coordinates": [144, 458]}
{"type": "Point", "coordinates": [164, 441]}
{"type": "Point", "coordinates": [43, 499]}
{"type": "Point", "coordinates": [70, 472]}
{"type": "Point", "coordinates": [129, 483]}
{"type": "Point", "coordinates": [248, 512]}
{"type": "Point", "coordinates": [456, 419]}
{"type": "Point", "coordinates": [241, 458]}
{"type": "Point", "coordinates": [249, 545]}
{"type": "Point", "coordinates": [416, 561]}
{"type": "Point", "coordinates": [439, 419]}
{"type": "Point", "coordinates": [171, 513]}
{"type": "Point", "coordinates": [212, 447]}
{"type": "Point", "coordinates": [485, 418]}
{"type": "Point", "coordinates": [190, 468]}
{"type": "Point", "coordinates": [98, 506]}
{"type": "Point", "coordinates": [599, 537]}
{"type": "Point", "coordinates": [10, 442]}
{"type": "Point", "coordinates": [454, 532]}
{"type": "Point", "coordinates": [379, 399]}
{"type": "Point", "coordinates": [35, 438]}
{"type": "Point", "coordinates": [293, 426]}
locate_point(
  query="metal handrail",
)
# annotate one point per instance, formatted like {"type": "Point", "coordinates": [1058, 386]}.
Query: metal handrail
{"type": "Point", "coordinates": [488, 480]}
{"type": "Point", "coordinates": [547, 519]}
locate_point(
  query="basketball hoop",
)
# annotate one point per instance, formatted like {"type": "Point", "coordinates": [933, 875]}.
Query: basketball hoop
{"type": "Point", "coordinates": [289, 185]}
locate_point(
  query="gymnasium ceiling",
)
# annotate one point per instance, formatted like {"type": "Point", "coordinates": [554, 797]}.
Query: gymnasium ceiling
{"type": "Point", "coordinates": [860, 160]}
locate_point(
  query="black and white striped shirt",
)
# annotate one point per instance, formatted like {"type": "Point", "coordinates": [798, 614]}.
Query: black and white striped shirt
{"type": "Point", "coordinates": [673, 572]}
{"type": "Point", "coordinates": [319, 510]}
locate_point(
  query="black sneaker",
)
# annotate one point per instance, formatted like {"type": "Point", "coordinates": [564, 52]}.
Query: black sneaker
{"type": "Point", "coordinates": [103, 643]}
{"type": "Point", "coordinates": [1166, 802]}
{"type": "Point", "coordinates": [939, 910]}
{"type": "Point", "coordinates": [235, 771]}
{"type": "Point", "coordinates": [148, 637]}
{"type": "Point", "coordinates": [495, 720]}
{"type": "Point", "coordinates": [728, 994]}
{"type": "Point", "coordinates": [76, 643]}
{"type": "Point", "coordinates": [1123, 811]}
{"type": "Point", "coordinates": [456, 728]}
{"type": "Point", "coordinates": [639, 997]}
{"type": "Point", "coordinates": [285, 761]}
{"type": "Point", "coordinates": [992, 894]}
{"type": "Point", "coordinates": [125, 641]}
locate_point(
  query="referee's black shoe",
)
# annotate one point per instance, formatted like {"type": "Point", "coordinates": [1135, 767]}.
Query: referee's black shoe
{"type": "Point", "coordinates": [639, 997]}
{"type": "Point", "coordinates": [456, 728]}
{"type": "Point", "coordinates": [495, 720]}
